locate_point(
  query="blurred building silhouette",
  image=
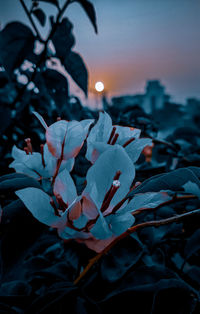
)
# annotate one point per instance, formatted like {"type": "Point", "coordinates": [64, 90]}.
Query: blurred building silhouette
{"type": "Point", "coordinates": [153, 99]}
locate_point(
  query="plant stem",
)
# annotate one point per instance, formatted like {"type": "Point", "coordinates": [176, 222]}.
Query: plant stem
{"type": "Point", "coordinates": [31, 20]}
{"type": "Point", "coordinates": [133, 229]}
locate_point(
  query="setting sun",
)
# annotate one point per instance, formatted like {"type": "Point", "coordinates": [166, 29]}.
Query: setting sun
{"type": "Point", "coordinates": [99, 86]}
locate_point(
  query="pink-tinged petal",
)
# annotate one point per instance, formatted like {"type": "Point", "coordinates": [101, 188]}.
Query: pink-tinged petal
{"type": "Point", "coordinates": [89, 208]}
{"type": "Point", "coordinates": [40, 118]}
{"type": "Point", "coordinates": [97, 245]}
{"type": "Point", "coordinates": [51, 163]}
{"type": "Point", "coordinates": [145, 200]}
{"type": "Point", "coordinates": [75, 211]}
{"type": "Point", "coordinates": [95, 149]}
{"type": "Point", "coordinates": [70, 134]}
{"type": "Point", "coordinates": [38, 203]}
{"type": "Point", "coordinates": [135, 148]}
{"type": "Point", "coordinates": [86, 125]}
{"type": "Point", "coordinates": [125, 133]}
{"type": "Point", "coordinates": [102, 129]}
{"type": "Point", "coordinates": [101, 175]}
{"type": "Point", "coordinates": [69, 233]}
{"type": "Point", "coordinates": [65, 187]}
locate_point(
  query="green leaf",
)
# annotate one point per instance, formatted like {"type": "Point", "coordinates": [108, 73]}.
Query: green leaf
{"type": "Point", "coordinates": [77, 69]}
{"type": "Point", "coordinates": [40, 15]}
{"type": "Point", "coordinates": [90, 11]}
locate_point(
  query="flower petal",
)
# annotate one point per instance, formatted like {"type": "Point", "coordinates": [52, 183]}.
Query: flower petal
{"type": "Point", "coordinates": [40, 118]}
{"type": "Point", "coordinates": [135, 148]}
{"type": "Point", "coordinates": [102, 129]}
{"type": "Point", "coordinates": [101, 229]}
{"type": "Point", "coordinates": [51, 163]}
{"type": "Point", "coordinates": [95, 149]}
{"type": "Point", "coordinates": [71, 134]}
{"type": "Point", "coordinates": [65, 187]}
{"type": "Point", "coordinates": [100, 176]}
{"type": "Point", "coordinates": [145, 200]}
{"type": "Point", "coordinates": [38, 203]}
{"type": "Point", "coordinates": [97, 245]}
{"type": "Point", "coordinates": [86, 123]}
{"type": "Point", "coordinates": [89, 208]}
{"type": "Point", "coordinates": [125, 133]}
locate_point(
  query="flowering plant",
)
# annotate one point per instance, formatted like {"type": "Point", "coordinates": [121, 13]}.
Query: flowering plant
{"type": "Point", "coordinates": [103, 211]}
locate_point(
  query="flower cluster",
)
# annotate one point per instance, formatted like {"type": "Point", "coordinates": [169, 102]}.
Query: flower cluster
{"type": "Point", "coordinates": [103, 211]}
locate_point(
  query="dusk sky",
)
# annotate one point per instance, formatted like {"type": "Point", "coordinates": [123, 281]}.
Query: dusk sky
{"type": "Point", "coordinates": [137, 40]}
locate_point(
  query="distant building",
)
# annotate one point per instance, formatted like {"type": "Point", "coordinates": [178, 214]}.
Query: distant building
{"type": "Point", "coordinates": [155, 96]}
{"type": "Point", "coordinates": [153, 99]}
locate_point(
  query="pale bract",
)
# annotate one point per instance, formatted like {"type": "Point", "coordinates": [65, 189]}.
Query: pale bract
{"type": "Point", "coordinates": [35, 166]}
{"type": "Point", "coordinates": [102, 212]}
{"type": "Point", "coordinates": [63, 142]}
{"type": "Point", "coordinates": [104, 134]}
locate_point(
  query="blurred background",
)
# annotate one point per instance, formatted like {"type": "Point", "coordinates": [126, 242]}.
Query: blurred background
{"type": "Point", "coordinates": [137, 41]}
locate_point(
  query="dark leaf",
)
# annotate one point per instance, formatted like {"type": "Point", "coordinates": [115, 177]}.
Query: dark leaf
{"type": "Point", "coordinates": [63, 38]}
{"type": "Point", "coordinates": [177, 260]}
{"type": "Point", "coordinates": [194, 273]}
{"type": "Point", "coordinates": [15, 184]}
{"type": "Point", "coordinates": [57, 87]}
{"type": "Point", "coordinates": [16, 287]}
{"type": "Point", "coordinates": [193, 244]}
{"type": "Point", "coordinates": [122, 257]}
{"type": "Point", "coordinates": [16, 42]}
{"type": "Point", "coordinates": [76, 68]}
{"type": "Point", "coordinates": [54, 2]}
{"type": "Point", "coordinates": [173, 180]}
{"type": "Point", "coordinates": [5, 118]}
{"type": "Point", "coordinates": [11, 176]}
{"type": "Point", "coordinates": [90, 11]}
{"type": "Point", "coordinates": [52, 300]}
{"type": "Point", "coordinates": [40, 15]}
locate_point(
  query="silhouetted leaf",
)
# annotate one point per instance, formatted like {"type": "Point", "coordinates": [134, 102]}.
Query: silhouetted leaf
{"type": "Point", "coordinates": [90, 11]}
{"type": "Point", "coordinates": [57, 87]}
{"type": "Point", "coordinates": [11, 176]}
{"type": "Point", "coordinates": [122, 257]}
{"type": "Point", "coordinates": [192, 245]}
{"type": "Point", "coordinates": [11, 185]}
{"type": "Point", "coordinates": [193, 272]}
{"type": "Point", "coordinates": [16, 287]}
{"type": "Point", "coordinates": [5, 118]}
{"type": "Point", "coordinates": [40, 15]}
{"type": "Point", "coordinates": [76, 68]}
{"type": "Point", "coordinates": [16, 42]}
{"type": "Point", "coordinates": [63, 38]}
{"type": "Point", "coordinates": [54, 2]}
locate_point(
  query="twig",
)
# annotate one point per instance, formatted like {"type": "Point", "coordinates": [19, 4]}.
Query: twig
{"type": "Point", "coordinates": [31, 20]}
{"type": "Point", "coordinates": [131, 230]}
